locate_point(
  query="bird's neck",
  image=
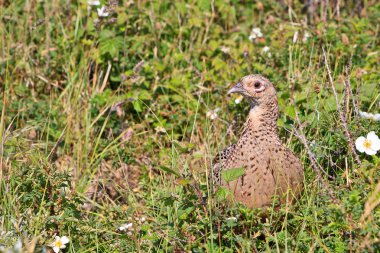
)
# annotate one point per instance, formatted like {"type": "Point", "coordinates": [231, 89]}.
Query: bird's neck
{"type": "Point", "coordinates": [263, 117]}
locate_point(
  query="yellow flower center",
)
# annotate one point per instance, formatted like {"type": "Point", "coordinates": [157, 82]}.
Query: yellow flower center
{"type": "Point", "coordinates": [367, 144]}
{"type": "Point", "coordinates": [58, 244]}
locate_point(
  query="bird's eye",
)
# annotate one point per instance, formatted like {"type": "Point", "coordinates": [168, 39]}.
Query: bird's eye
{"type": "Point", "coordinates": [257, 85]}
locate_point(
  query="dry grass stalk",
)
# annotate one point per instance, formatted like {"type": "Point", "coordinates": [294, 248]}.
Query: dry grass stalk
{"type": "Point", "coordinates": [342, 117]}
{"type": "Point", "coordinates": [347, 86]}
{"type": "Point", "coordinates": [313, 160]}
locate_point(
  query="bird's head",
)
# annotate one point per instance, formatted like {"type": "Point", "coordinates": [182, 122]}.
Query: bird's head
{"type": "Point", "coordinates": [256, 88]}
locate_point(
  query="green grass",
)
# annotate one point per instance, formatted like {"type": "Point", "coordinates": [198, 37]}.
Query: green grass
{"type": "Point", "coordinates": [117, 107]}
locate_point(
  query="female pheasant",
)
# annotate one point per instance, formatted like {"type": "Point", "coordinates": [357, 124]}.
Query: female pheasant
{"type": "Point", "coordinates": [270, 168]}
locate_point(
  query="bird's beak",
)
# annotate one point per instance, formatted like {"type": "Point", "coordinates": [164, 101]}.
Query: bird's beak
{"type": "Point", "coordinates": [238, 88]}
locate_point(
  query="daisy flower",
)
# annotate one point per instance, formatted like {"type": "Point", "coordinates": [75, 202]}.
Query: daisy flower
{"type": "Point", "coordinates": [369, 145]}
{"type": "Point", "coordinates": [59, 243]}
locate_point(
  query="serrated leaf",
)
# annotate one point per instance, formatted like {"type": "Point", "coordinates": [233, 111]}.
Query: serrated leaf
{"type": "Point", "coordinates": [232, 174]}
{"type": "Point", "coordinates": [222, 194]}
{"type": "Point", "coordinates": [106, 34]}
{"type": "Point", "coordinates": [111, 46]}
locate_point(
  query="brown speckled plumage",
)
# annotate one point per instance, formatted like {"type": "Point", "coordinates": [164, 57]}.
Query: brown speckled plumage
{"type": "Point", "coordinates": [270, 168]}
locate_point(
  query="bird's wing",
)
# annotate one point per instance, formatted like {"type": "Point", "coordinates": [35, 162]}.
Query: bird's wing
{"type": "Point", "coordinates": [223, 155]}
{"type": "Point", "coordinates": [218, 163]}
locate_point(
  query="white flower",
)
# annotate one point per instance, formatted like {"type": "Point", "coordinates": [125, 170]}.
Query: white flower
{"type": "Point", "coordinates": [366, 115]}
{"type": "Point", "coordinates": [143, 219]}
{"type": "Point", "coordinates": [125, 227]}
{"type": "Point", "coordinates": [369, 145]}
{"type": "Point", "coordinates": [224, 49]}
{"type": "Point", "coordinates": [306, 35]}
{"type": "Point", "coordinates": [255, 33]}
{"type": "Point", "coordinates": [160, 129]}
{"type": "Point", "coordinates": [59, 243]}
{"type": "Point", "coordinates": [93, 2]}
{"type": "Point", "coordinates": [239, 99]}
{"type": "Point", "coordinates": [102, 12]}
{"type": "Point", "coordinates": [232, 218]}
{"type": "Point", "coordinates": [266, 50]}
{"type": "Point", "coordinates": [213, 114]}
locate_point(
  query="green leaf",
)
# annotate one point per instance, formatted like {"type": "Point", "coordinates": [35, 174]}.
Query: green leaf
{"type": "Point", "coordinates": [145, 95]}
{"type": "Point", "coordinates": [184, 211]}
{"type": "Point", "coordinates": [222, 194]}
{"type": "Point", "coordinates": [166, 169]}
{"type": "Point", "coordinates": [137, 106]}
{"type": "Point", "coordinates": [168, 201]}
{"type": "Point", "coordinates": [232, 174]}
{"type": "Point", "coordinates": [106, 34]}
{"type": "Point", "coordinates": [289, 110]}
{"type": "Point", "coordinates": [111, 46]}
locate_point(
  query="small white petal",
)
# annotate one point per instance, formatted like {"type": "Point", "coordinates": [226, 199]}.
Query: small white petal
{"type": "Point", "coordinates": [232, 218]}
{"type": "Point", "coordinates": [213, 114]}
{"type": "Point", "coordinates": [359, 144]}
{"type": "Point", "coordinates": [375, 144]}
{"type": "Point", "coordinates": [372, 136]}
{"type": "Point", "coordinates": [370, 151]}
{"type": "Point", "coordinates": [255, 33]}
{"type": "Point", "coordinates": [367, 115]}
{"type": "Point", "coordinates": [65, 239]}
{"type": "Point", "coordinates": [125, 226]}
{"type": "Point", "coordinates": [94, 2]}
{"type": "Point", "coordinates": [224, 49]}
{"type": "Point", "coordinates": [102, 12]}
{"type": "Point", "coordinates": [56, 249]}
{"type": "Point", "coordinates": [160, 129]}
{"type": "Point", "coordinates": [306, 36]}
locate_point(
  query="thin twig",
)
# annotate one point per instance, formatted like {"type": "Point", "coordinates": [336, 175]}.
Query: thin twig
{"type": "Point", "coordinates": [346, 101]}
{"type": "Point", "coordinates": [106, 77]}
{"type": "Point", "coordinates": [341, 115]}
{"type": "Point", "coordinates": [338, 9]}
{"type": "Point", "coordinates": [347, 85]}
{"type": "Point", "coordinates": [314, 163]}
{"type": "Point", "coordinates": [313, 156]}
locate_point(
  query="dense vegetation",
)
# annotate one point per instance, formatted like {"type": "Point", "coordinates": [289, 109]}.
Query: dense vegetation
{"type": "Point", "coordinates": [109, 123]}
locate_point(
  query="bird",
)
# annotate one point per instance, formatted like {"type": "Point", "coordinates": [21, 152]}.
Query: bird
{"type": "Point", "coordinates": [270, 168]}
